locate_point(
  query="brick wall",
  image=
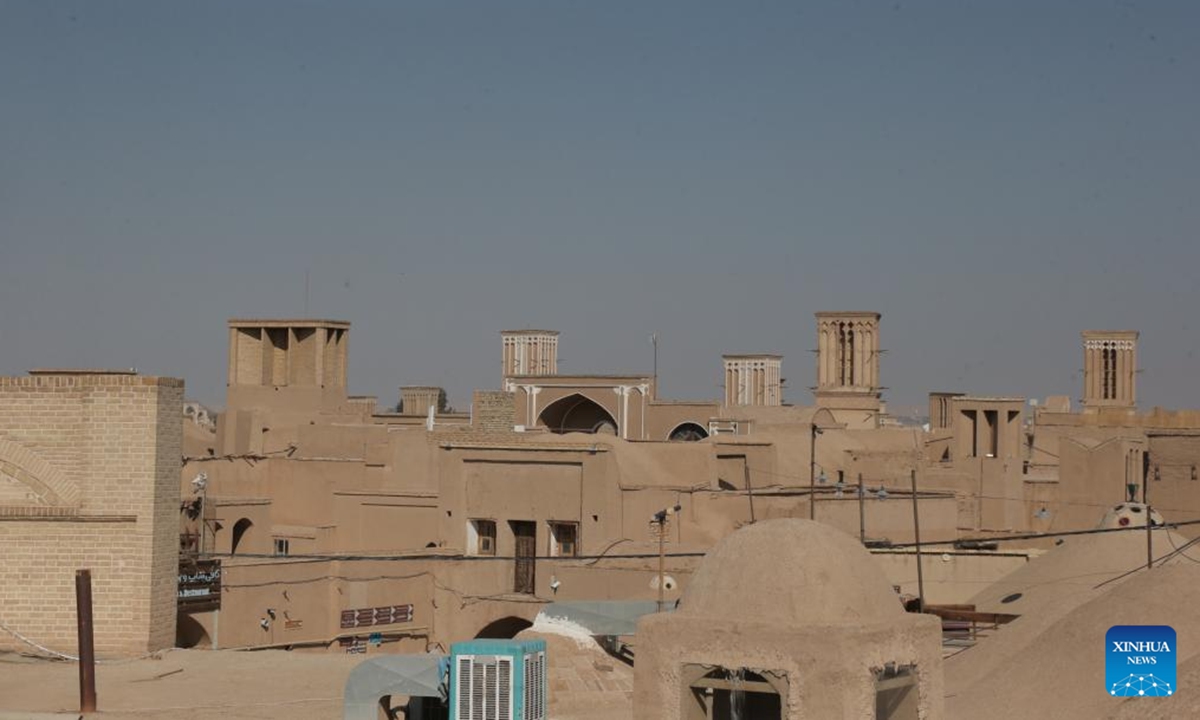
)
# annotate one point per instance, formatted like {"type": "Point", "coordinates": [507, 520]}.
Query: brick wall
{"type": "Point", "coordinates": [494, 411]}
{"type": "Point", "coordinates": [107, 448]}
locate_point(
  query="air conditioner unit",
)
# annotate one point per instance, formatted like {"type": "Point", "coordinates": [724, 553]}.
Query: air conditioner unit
{"type": "Point", "coordinates": [498, 680]}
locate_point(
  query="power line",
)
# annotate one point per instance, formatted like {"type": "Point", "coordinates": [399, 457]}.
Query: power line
{"type": "Point", "coordinates": [802, 489]}
{"type": "Point", "coordinates": [327, 557]}
{"type": "Point", "coordinates": [1035, 536]}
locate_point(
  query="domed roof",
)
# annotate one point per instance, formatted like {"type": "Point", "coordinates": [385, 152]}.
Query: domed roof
{"type": "Point", "coordinates": [791, 572]}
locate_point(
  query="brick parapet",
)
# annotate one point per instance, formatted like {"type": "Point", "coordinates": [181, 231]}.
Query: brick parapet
{"type": "Point", "coordinates": [494, 411]}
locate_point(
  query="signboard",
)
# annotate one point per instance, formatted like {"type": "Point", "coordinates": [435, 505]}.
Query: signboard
{"type": "Point", "coordinates": [353, 646]}
{"type": "Point", "coordinates": [199, 585]}
{"type": "Point", "coordinates": [368, 617]}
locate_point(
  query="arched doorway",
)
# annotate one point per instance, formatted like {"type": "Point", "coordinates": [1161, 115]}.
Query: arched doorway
{"type": "Point", "coordinates": [189, 633]}
{"type": "Point", "coordinates": [504, 628]}
{"type": "Point", "coordinates": [687, 432]}
{"type": "Point", "coordinates": [577, 413]}
{"type": "Point", "coordinates": [240, 528]}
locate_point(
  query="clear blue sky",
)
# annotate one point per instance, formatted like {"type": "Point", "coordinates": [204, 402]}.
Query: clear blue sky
{"type": "Point", "coordinates": [993, 176]}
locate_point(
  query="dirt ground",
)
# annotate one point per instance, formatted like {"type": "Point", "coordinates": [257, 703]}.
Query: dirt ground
{"type": "Point", "coordinates": [272, 685]}
{"type": "Point", "coordinates": [195, 684]}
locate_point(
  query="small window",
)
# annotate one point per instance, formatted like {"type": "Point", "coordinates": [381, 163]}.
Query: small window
{"type": "Point", "coordinates": [734, 692]}
{"type": "Point", "coordinates": [896, 693]}
{"type": "Point", "coordinates": [564, 539]}
{"type": "Point", "coordinates": [281, 546]}
{"type": "Point", "coordinates": [482, 537]}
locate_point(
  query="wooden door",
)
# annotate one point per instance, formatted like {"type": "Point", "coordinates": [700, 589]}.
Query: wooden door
{"type": "Point", "coordinates": [525, 533]}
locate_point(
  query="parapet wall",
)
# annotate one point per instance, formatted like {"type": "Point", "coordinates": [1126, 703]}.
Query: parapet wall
{"type": "Point", "coordinates": [494, 411]}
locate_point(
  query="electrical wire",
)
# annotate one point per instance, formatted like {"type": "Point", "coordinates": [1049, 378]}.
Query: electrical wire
{"type": "Point", "coordinates": [1180, 550]}
{"type": "Point", "coordinates": [898, 490]}
{"type": "Point", "coordinates": [189, 708]}
{"type": "Point", "coordinates": [328, 557]}
{"type": "Point", "coordinates": [249, 457]}
{"type": "Point", "coordinates": [1035, 536]}
{"type": "Point", "coordinates": [74, 658]}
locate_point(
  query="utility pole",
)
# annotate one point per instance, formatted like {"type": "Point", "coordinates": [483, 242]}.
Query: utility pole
{"type": "Point", "coordinates": [917, 538]}
{"type": "Point", "coordinates": [662, 565]}
{"type": "Point", "coordinates": [862, 513]}
{"type": "Point", "coordinates": [1149, 539]}
{"type": "Point", "coordinates": [749, 491]}
{"type": "Point", "coordinates": [660, 517]}
{"type": "Point", "coordinates": [87, 652]}
{"type": "Point", "coordinates": [812, 472]}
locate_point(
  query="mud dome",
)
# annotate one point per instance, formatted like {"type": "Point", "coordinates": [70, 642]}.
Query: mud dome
{"type": "Point", "coordinates": [795, 620]}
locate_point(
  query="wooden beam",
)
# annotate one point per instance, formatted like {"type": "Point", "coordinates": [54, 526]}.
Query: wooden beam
{"type": "Point", "coordinates": [754, 686]}
{"type": "Point", "coordinates": [988, 618]}
{"type": "Point", "coordinates": [895, 682]}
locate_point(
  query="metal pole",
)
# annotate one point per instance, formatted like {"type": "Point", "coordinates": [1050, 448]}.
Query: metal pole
{"type": "Point", "coordinates": [202, 527]}
{"type": "Point", "coordinates": [749, 492]}
{"type": "Point", "coordinates": [662, 573]}
{"type": "Point", "coordinates": [812, 478]}
{"type": "Point", "coordinates": [1149, 540]}
{"type": "Point", "coordinates": [654, 341]}
{"type": "Point", "coordinates": [917, 538]}
{"type": "Point", "coordinates": [87, 655]}
{"type": "Point", "coordinates": [862, 513]}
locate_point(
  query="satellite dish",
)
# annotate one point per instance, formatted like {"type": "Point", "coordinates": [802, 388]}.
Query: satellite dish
{"type": "Point", "coordinates": [668, 583]}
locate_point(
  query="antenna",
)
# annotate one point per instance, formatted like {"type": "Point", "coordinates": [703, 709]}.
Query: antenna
{"type": "Point", "coordinates": [305, 292]}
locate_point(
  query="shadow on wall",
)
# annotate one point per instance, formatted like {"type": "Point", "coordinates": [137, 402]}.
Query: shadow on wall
{"type": "Point", "coordinates": [190, 634]}
{"type": "Point", "coordinates": [504, 628]}
{"type": "Point", "coordinates": [240, 528]}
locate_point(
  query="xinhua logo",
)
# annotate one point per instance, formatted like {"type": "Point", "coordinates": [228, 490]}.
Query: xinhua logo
{"type": "Point", "coordinates": [1140, 660]}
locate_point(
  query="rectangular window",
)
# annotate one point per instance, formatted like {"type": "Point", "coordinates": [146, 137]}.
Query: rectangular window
{"type": "Point", "coordinates": [481, 537]}
{"type": "Point", "coordinates": [281, 546]}
{"type": "Point", "coordinates": [564, 539]}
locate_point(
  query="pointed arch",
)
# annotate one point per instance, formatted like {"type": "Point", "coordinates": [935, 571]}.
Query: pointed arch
{"type": "Point", "coordinates": [577, 413]}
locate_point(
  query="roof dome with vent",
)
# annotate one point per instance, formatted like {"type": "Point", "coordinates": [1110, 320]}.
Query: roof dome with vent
{"type": "Point", "coordinates": [791, 572]}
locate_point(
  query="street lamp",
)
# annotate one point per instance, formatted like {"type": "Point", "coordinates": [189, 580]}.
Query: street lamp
{"type": "Point", "coordinates": [660, 517]}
